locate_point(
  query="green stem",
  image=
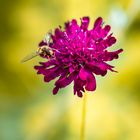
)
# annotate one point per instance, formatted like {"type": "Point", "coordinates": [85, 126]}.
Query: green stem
{"type": "Point", "coordinates": [82, 136]}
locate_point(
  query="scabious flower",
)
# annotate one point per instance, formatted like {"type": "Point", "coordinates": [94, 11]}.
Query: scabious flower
{"type": "Point", "coordinates": [79, 54]}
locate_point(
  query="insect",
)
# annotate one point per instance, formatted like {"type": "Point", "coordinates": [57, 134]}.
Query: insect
{"type": "Point", "coordinates": [43, 50]}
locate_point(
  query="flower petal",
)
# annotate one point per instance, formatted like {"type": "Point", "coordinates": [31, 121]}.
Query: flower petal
{"type": "Point", "coordinates": [94, 67]}
{"type": "Point", "coordinates": [71, 27]}
{"type": "Point", "coordinates": [79, 86]}
{"type": "Point", "coordinates": [91, 83]}
{"type": "Point", "coordinates": [58, 33]}
{"type": "Point", "coordinates": [105, 31]}
{"type": "Point", "coordinates": [111, 41]}
{"type": "Point", "coordinates": [84, 23]}
{"type": "Point", "coordinates": [98, 22]}
{"type": "Point", "coordinates": [48, 63]}
{"type": "Point", "coordinates": [89, 78]}
{"type": "Point", "coordinates": [109, 56]}
{"type": "Point", "coordinates": [104, 66]}
{"type": "Point", "coordinates": [52, 74]}
{"type": "Point", "coordinates": [55, 90]}
{"type": "Point", "coordinates": [83, 74]}
{"type": "Point", "coordinates": [100, 68]}
{"type": "Point", "coordinates": [65, 80]}
{"type": "Point", "coordinates": [40, 70]}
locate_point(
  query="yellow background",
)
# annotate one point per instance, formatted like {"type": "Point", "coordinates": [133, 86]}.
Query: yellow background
{"type": "Point", "coordinates": [29, 111]}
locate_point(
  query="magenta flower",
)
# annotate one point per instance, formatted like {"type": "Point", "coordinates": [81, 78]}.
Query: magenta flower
{"type": "Point", "coordinates": [79, 54]}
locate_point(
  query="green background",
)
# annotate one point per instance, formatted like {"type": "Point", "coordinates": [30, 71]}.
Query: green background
{"type": "Point", "coordinates": [29, 111]}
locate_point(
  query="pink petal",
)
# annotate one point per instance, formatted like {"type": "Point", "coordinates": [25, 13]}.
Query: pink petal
{"type": "Point", "coordinates": [84, 23]}
{"type": "Point", "coordinates": [55, 90]}
{"type": "Point", "coordinates": [89, 78]}
{"type": "Point", "coordinates": [98, 22]}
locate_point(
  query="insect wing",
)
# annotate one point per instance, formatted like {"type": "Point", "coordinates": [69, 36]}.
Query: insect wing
{"type": "Point", "coordinates": [47, 37]}
{"type": "Point", "coordinates": [30, 56]}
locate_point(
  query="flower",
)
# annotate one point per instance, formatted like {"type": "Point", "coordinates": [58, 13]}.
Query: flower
{"type": "Point", "coordinates": [79, 54]}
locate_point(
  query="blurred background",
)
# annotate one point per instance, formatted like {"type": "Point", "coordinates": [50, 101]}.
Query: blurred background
{"type": "Point", "coordinates": [29, 111]}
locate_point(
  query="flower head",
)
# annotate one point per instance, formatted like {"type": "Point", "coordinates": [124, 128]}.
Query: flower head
{"type": "Point", "coordinates": [79, 54]}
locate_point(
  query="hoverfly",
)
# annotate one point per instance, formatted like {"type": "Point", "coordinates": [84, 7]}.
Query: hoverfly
{"type": "Point", "coordinates": [43, 50]}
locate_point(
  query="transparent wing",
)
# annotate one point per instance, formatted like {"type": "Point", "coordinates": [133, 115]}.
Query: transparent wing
{"type": "Point", "coordinates": [30, 56]}
{"type": "Point", "coordinates": [47, 37]}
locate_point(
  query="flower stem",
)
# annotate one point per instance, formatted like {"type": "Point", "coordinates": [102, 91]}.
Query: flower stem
{"type": "Point", "coordinates": [82, 136]}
